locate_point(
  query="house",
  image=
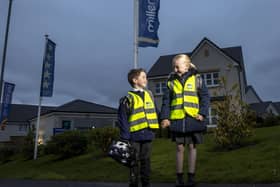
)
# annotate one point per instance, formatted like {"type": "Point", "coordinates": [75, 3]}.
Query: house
{"type": "Point", "coordinates": [251, 95]}
{"type": "Point", "coordinates": [277, 105]}
{"type": "Point", "coordinates": [213, 63]}
{"type": "Point", "coordinates": [77, 114]}
{"type": "Point", "coordinates": [18, 124]}
{"type": "Point", "coordinates": [262, 109]}
{"type": "Point", "coordinates": [265, 109]}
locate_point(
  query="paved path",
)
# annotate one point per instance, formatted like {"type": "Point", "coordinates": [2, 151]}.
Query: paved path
{"type": "Point", "coordinates": [44, 183]}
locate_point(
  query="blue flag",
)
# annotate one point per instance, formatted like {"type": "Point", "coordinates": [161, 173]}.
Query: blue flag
{"type": "Point", "coordinates": [148, 23]}
{"type": "Point", "coordinates": [48, 70]}
{"type": "Point", "coordinates": [7, 100]}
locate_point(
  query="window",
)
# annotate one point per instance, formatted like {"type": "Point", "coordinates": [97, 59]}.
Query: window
{"type": "Point", "coordinates": [206, 52]}
{"type": "Point", "coordinates": [160, 87]}
{"type": "Point", "coordinates": [66, 124]}
{"type": "Point", "coordinates": [212, 117]}
{"type": "Point", "coordinates": [210, 79]}
{"type": "Point", "coordinates": [22, 128]}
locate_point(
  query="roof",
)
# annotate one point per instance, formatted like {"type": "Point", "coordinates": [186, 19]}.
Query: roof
{"type": "Point", "coordinates": [81, 106]}
{"type": "Point", "coordinates": [260, 108]}
{"type": "Point", "coordinates": [163, 65]}
{"type": "Point", "coordinates": [250, 87]}
{"type": "Point", "coordinates": [22, 112]}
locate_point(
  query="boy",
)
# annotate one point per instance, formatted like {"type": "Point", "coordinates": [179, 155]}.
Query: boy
{"type": "Point", "coordinates": [137, 116]}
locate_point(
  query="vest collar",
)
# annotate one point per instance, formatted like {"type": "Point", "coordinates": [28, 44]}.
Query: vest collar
{"type": "Point", "coordinates": [137, 90]}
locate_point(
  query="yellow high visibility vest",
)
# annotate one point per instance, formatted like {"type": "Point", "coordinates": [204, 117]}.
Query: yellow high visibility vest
{"type": "Point", "coordinates": [185, 99]}
{"type": "Point", "coordinates": [143, 113]}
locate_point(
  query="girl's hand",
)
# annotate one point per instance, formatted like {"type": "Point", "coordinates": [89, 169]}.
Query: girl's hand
{"type": "Point", "coordinates": [199, 117]}
{"type": "Point", "coordinates": [165, 123]}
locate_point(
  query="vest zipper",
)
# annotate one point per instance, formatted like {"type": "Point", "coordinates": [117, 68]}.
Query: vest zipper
{"type": "Point", "coordinates": [183, 86]}
{"type": "Point", "coordinates": [184, 120]}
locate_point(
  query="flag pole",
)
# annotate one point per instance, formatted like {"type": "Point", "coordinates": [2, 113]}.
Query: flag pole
{"type": "Point", "coordinates": [136, 28]}
{"type": "Point", "coordinates": [5, 48]}
{"type": "Point", "coordinates": [37, 129]}
{"type": "Point", "coordinates": [39, 110]}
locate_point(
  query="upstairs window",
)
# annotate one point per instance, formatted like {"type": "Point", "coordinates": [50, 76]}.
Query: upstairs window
{"type": "Point", "coordinates": [211, 79]}
{"type": "Point", "coordinates": [160, 88]}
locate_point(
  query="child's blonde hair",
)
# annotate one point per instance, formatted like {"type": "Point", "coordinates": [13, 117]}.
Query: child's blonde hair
{"type": "Point", "coordinates": [186, 58]}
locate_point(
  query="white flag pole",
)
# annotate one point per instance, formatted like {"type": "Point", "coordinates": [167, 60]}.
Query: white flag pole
{"type": "Point", "coordinates": [39, 109]}
{"type": "Point", "coordinates": [37, 129]}
{"type": "Point", "coordinates": [136, 28]}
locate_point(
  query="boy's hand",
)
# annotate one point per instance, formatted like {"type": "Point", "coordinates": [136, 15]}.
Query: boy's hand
{"type": "Point", "coordinates": [165, 123]}
{"type": "Point", "coordinates": [199, 117]}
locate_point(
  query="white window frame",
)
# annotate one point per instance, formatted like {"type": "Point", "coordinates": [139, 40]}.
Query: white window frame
{"type": "Point", "coordinates": [211, 117]}
{"type": "Point", "coordinates": [160, 83]}
{"type": "Point", "coordinates": [212, 79]}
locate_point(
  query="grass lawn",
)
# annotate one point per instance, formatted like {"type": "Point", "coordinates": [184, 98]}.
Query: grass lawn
{"type": "Point", "coordinates": [259, 162]}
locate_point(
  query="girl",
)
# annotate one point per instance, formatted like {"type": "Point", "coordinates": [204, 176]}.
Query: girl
{"type": "Point", "coordinates": [184, 109]}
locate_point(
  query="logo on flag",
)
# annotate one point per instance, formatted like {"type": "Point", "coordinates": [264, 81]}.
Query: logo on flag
{"type": "Point", "coordinates": [148, 23]}
{"type": "Point", "coordinates": [48, 70]}
{"type": "Point", "coordinates": [7, 99]}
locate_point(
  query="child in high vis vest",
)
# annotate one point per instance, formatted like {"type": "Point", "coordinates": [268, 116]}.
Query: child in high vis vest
{"type": "Point", "coordinates": [184, 109]}
{"type": "Point", "coordinates": [137, 117]}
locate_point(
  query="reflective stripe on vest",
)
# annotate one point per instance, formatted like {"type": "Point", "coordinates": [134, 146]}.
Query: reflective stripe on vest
{"type": "Point", "coordinates": [143, 113]}
{"type": "Point", "coordinates": [185, 99]}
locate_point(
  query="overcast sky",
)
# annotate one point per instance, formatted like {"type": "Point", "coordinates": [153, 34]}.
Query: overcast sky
{"type": "Point", "coordinates": [94, 43]}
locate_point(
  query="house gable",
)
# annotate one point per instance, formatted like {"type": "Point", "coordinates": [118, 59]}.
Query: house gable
{"type": "Point", "coordinates": [206, 44]}
{"type": "Point", "coordinates": [251, 95]}
{"type": "Point", "coordinates": [163, 66]}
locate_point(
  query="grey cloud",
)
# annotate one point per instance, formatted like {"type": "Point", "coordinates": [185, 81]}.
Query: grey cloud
{"type": "Point", "coordinates": [94, 43]}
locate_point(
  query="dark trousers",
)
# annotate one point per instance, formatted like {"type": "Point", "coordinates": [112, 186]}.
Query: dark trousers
{"type": "Point", "coordinates": [143, 152]}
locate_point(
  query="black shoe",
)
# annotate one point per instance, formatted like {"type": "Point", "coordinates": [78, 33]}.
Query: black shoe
{"type": "Point", "coordinates": [180, 180]}
{"type": "Point", "coordinates": [133, 180]}
{"type": "Point", "coordinates": [190, 182]}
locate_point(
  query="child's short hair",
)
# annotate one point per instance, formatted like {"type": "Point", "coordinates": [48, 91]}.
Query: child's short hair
{"type": "Point", "coordinates": [134, 73]}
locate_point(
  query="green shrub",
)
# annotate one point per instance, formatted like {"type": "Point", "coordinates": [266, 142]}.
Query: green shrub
{"type": "Point", "coordinates": [268, 121]}
{"type": "Point", "coordinates": [28, 146]}
{"type": "Point", "coordinates": [103, 137]}
{"type": "Point", "coordinates": [235, 120]}
{"type": "Point", "coordinates": [67, 144]}
{"type": "Point", "coordinates": [271, 121]}
{"type": "Point", "coordinates": [6, 152]}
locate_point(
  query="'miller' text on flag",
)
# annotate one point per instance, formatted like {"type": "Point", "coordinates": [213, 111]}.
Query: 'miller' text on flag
{"type": "Point", "coordinates": [148, 23]}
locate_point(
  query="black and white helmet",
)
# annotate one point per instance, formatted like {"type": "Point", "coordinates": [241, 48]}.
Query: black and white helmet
{"type": "Point", "coordinates": [122, 152]}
